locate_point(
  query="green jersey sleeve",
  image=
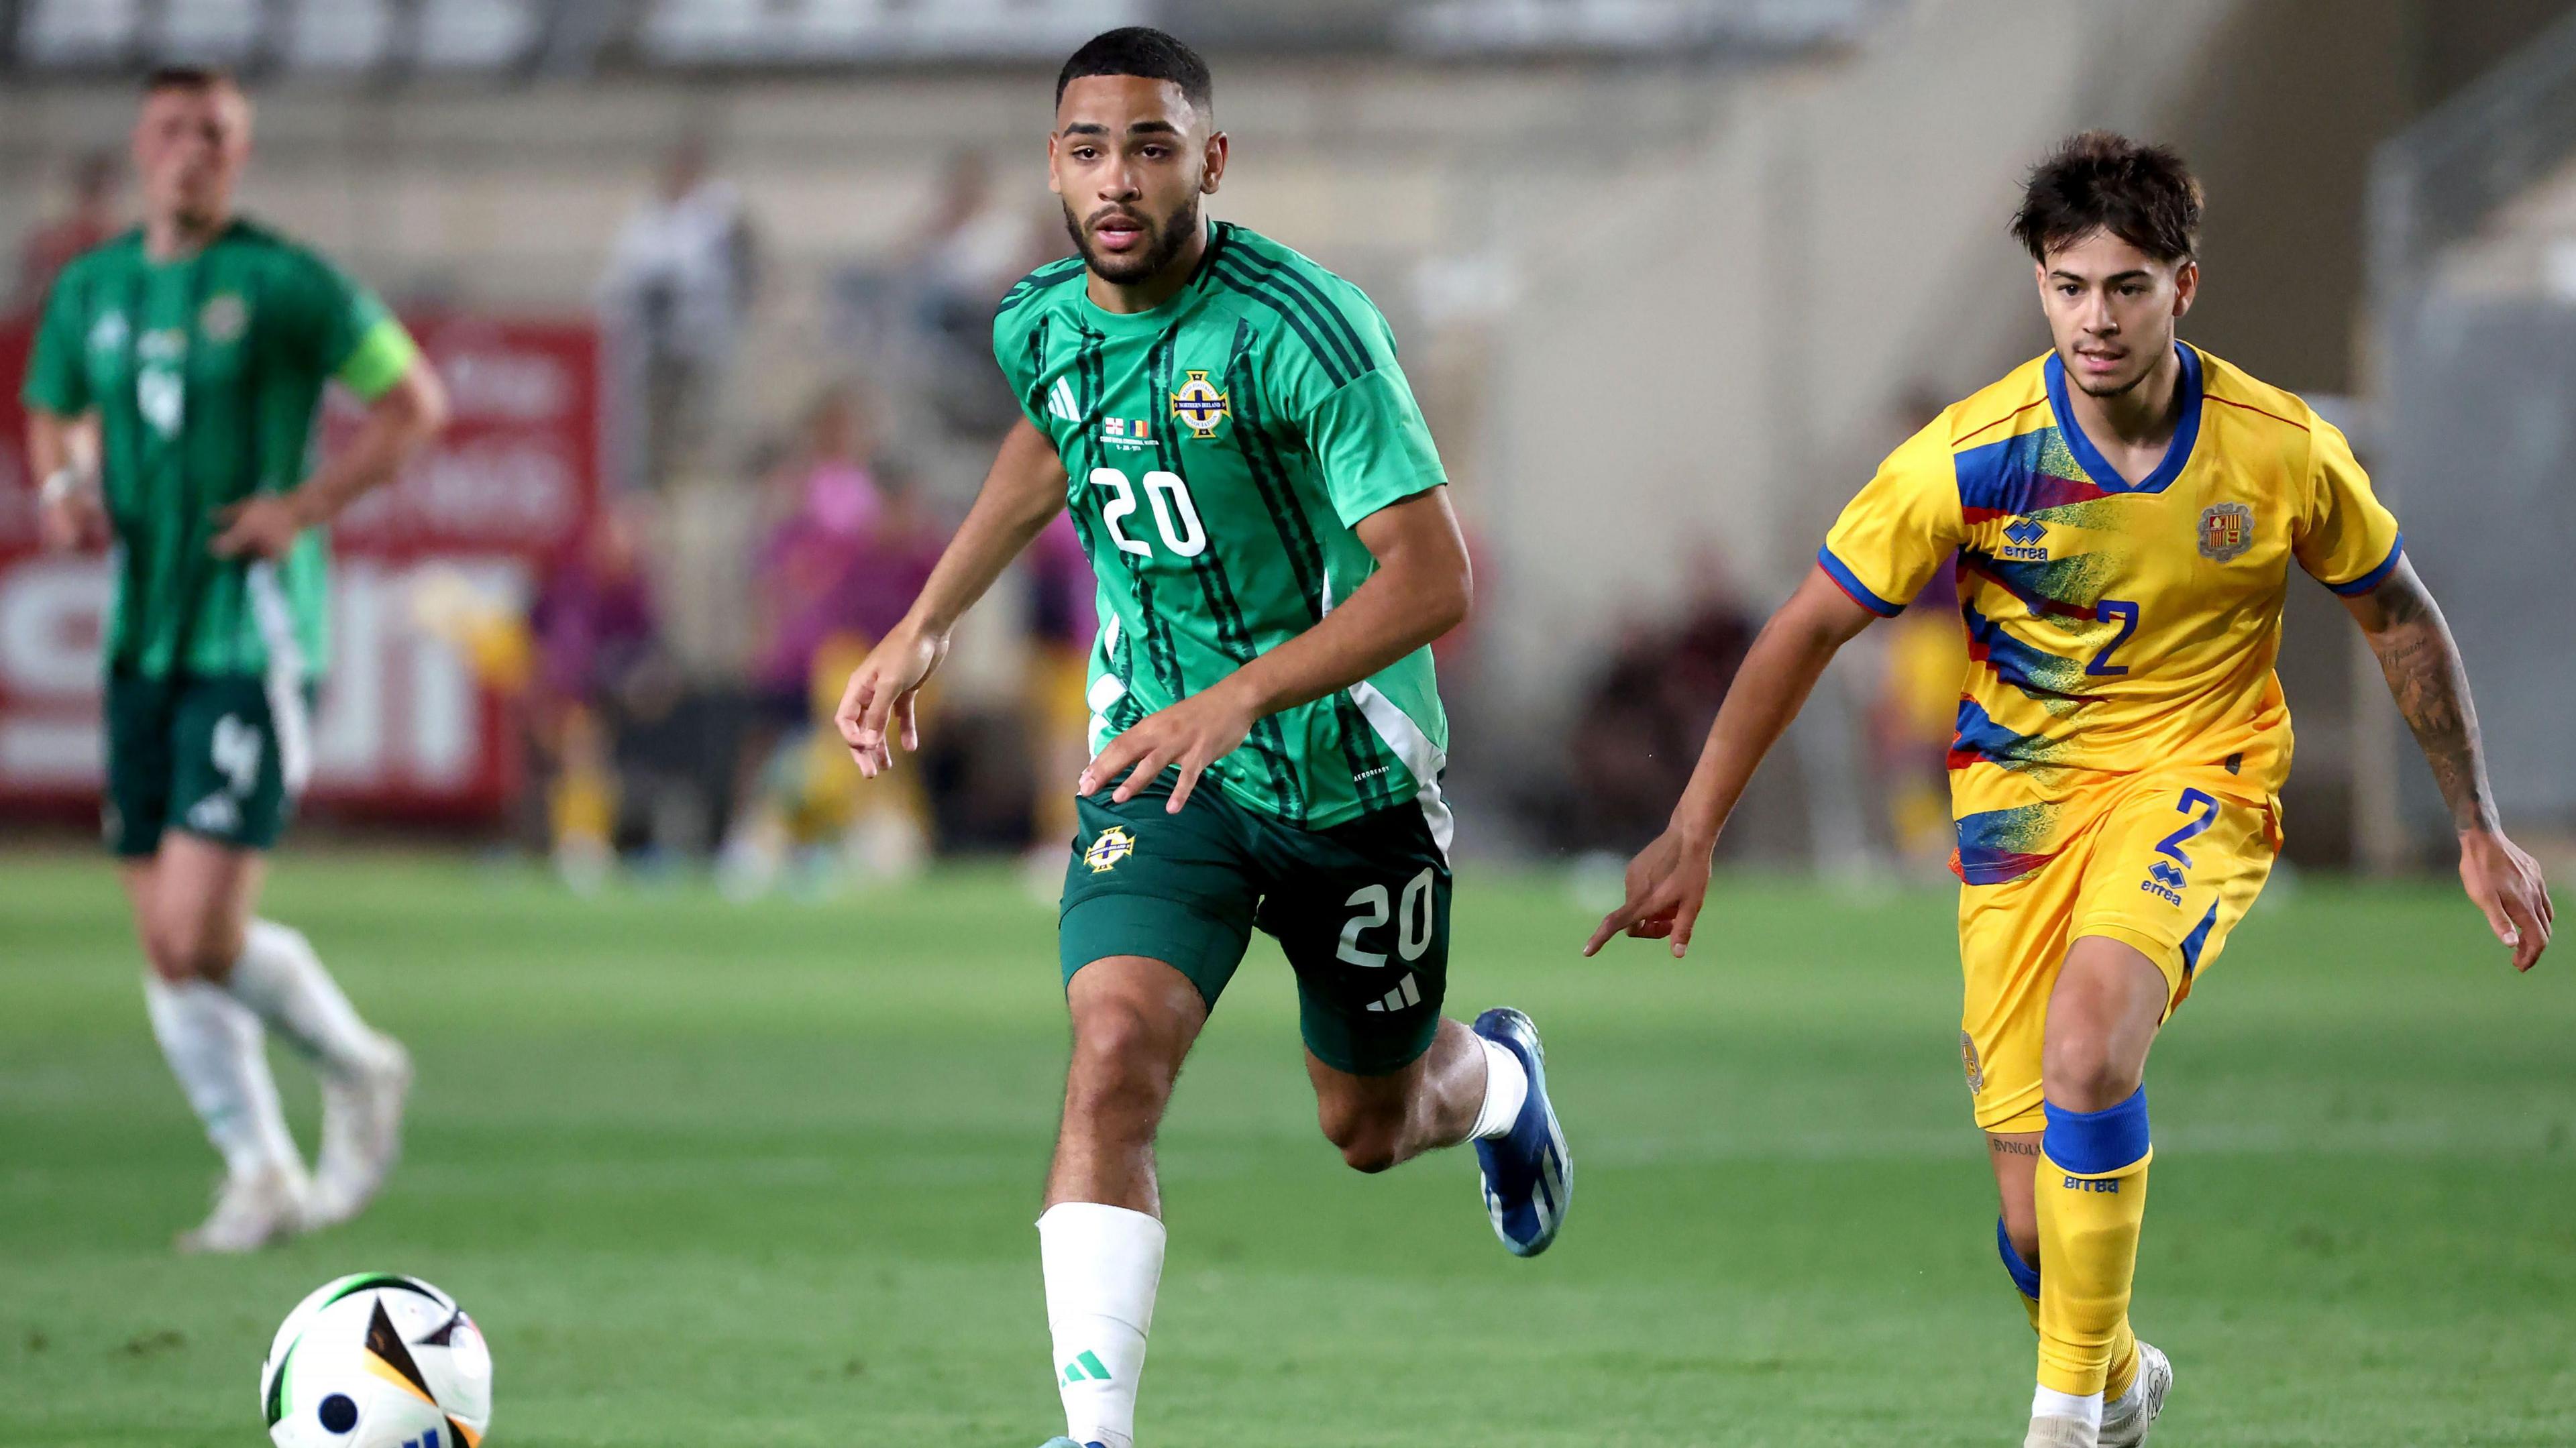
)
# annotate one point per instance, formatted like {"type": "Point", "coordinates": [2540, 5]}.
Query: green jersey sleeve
{"type": "Point", "coordinates": [57, 381]}
{"type": "Point", "coordinates": [341, 329]}
{"type": "Point", "coordinates": [1019, 339]}
{"type": "Point", "coordinates": [1336, 369]}
{"type": "Point", "coordinates": [1011, 335]}
{"type": "Point", "coordinates": [1371, 444]}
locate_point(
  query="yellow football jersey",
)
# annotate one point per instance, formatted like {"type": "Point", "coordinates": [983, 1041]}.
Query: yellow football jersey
{"type": "Point", "coordinates": [2112, 626]}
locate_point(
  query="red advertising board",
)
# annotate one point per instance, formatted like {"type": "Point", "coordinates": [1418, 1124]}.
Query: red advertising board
{"type": "Point", "coordinates": [405, 728]}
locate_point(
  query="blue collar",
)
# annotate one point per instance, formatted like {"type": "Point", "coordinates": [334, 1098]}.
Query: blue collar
{"type": "Point", "coordinates": [2098, 467]}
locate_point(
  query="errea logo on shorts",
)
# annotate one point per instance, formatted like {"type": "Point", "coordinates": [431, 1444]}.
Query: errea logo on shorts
{"type": "Point", "coordinates": [1108, 848]}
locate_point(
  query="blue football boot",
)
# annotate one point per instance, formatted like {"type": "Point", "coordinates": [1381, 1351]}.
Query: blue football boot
{"type": "Point", "coordinates": [1527, 1174]}
{"type": "Point", "coordinates": [1061, 1442]}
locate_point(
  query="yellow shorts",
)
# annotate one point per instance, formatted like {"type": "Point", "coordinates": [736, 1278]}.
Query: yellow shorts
{"type": "Point", "coordinates": [2166, 861]}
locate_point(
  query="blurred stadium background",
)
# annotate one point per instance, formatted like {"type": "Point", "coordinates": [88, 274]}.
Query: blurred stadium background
{"type": "Point", "coordinates": [709, 282]}
{"type": "Point", "coordinates": [709, 279]}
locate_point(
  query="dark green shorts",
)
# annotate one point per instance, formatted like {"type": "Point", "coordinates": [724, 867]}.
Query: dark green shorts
{"type": "Point", "coordinates": [1360, 909]}
{"type": "Point", "coordinates": [202, 753]}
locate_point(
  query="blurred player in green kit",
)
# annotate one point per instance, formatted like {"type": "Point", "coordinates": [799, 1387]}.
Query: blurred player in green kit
{"type": "Point", "coordinates": [171, 401]}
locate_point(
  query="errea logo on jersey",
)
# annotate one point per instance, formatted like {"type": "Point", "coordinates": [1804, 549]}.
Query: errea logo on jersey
{"type": "Point", "coordinates": [2025, 539]}
{"type": "Point", "coordinates": [2164, 881]}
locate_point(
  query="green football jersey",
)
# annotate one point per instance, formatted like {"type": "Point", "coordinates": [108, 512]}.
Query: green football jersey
{"type": "Point", "coordinates": [1219, 450]}
{"type": "Point", "coordinates": [206, 372]}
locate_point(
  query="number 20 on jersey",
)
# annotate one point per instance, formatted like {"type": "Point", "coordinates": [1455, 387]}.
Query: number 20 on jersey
{"type": "Point", "coordinates": [1175, 516]}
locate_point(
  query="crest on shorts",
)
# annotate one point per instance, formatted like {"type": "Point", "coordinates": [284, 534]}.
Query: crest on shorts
{"type": "Point", "coordinates": [1108, 848]}
{"type": "Point", "coordinates": [223, 317]}
{"type": "Point", "coordinates": [1199, 405]}
{"type": "Point", "coordinates": [2226, 531]}
{"type": "Point", "coordinates": [1968, 1061]}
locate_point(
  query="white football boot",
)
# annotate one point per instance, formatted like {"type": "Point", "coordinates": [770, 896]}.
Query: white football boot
{"type": "Point", "coordinates": [252, 1210]}
{"type": "Point", "coordinates": [2125, 1423]}
{"type": "Point", "coordinates": [362, 1118]}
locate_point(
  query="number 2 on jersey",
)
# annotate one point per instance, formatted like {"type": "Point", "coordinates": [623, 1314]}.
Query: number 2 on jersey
{"type": "Point", "coordinates": [2192, 799]}
{"type": "Point", "coordinates": [2103, 612]}
{"type": "Point", "coordinates": [1175, 516]}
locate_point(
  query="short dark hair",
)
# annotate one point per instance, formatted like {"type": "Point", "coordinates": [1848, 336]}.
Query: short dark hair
{"type": "Point", "coordinates": [188, 78]}
{"type": "Point", "coordinates": [2102, 181]}
{"type": "Point", "coordinates": [1142, 50]}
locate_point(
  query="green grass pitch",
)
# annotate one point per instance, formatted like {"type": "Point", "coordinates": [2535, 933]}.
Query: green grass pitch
{"type": "Point", "coordinates": [712, 1175]}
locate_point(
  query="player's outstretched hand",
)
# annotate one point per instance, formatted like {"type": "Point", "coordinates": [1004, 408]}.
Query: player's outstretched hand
{"type": "Point", "coordinates": [1194, 733]}
{"type": "Point", "coordinates": [2504, 883]}
{"type": "Point", "coordinates": [261, 527]}
{"type": "Point", "coordinates": [881, 697]}
{"type": "Point", "coordinates": [1667, 884]}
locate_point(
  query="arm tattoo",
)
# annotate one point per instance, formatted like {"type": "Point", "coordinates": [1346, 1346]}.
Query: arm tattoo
{"type": "Point", "coordinates": [2422, 665]}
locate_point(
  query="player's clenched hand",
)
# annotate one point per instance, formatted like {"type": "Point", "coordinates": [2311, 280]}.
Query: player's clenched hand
{"type": "Point", "coordinates": [1194, 733]}
{"type": "Point", "coordinates": [261, 527]}
{"type": "Point", "coordinates": [2505, 884]}
{"type": "Point", "coordinates": [1667, 883]}
{"type": "Point", "coordinates": [881, 696]}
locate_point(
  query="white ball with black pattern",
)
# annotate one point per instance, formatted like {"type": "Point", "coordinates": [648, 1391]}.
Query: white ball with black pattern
{"type": "Point", "coordinates": [377, 1360]}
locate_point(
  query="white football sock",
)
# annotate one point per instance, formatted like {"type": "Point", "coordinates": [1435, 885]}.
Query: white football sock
{"type": "Point", "coordinates": [280, 978]}
{"type": "Point", "coordinates": [1506, 1087]}
{"type": "Point", "coordinates": [2050, 1403]}
{"type": "Point", "coordinates": [1102, 1265]}
{"type": "Point", "coordinates": [2127, 1404]}
{"type": "Point", "coordinates": [219, 1054]}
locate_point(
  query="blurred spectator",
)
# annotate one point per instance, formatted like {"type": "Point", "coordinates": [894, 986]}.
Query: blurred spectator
{"type": "Point", "coordinates": [91, 220]}
{"type": "Point", "coordinates": [1646, 716]}
{"type": "Point", "coordinates": [1914, 709]}
{"type": "Point", "coordinates": [598, 676]}
{"type": "Point", "coordinates": [973, 245]}
{"type": "Point", "coordinates": [852, 548]}
{"type": "Point", "coordinates": [825, 499]}
{"type": "Point", "coordinates": [1063, 618]}
{"type": "Point", "coordinates": [679, 284]}
{"type": "Point", "coordinates": [1913, 718]}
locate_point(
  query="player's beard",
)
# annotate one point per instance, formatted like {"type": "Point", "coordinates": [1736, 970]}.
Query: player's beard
{"type": "Point", "coordinates": [1169, 234]}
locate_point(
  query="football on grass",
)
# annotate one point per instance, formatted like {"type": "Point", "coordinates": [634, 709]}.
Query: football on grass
{"type": "Point", "coordinates": [377, 1360]}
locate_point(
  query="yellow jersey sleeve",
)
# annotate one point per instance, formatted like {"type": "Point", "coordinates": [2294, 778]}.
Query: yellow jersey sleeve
{"type": "Point", "coordinates": [1902, 527]}
{"type": "Point", "coordinates": [2346, 538]}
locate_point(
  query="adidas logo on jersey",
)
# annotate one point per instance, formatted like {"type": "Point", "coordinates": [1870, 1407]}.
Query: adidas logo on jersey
{"type": "Point", "coordinates": [1060, 401]}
